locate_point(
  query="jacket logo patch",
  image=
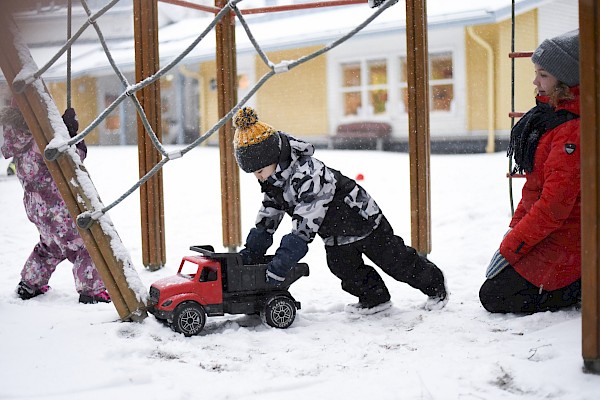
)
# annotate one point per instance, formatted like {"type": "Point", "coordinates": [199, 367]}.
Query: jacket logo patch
{"type": "Point", "coordinates": [570, 148]}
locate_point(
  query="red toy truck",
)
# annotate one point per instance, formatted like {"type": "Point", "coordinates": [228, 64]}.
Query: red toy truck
{"type": "Point", "coordinates": [214, 284]}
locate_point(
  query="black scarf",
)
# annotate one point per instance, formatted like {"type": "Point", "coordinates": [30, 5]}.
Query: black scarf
{"type": "Point", "coordinates": [526, 133]}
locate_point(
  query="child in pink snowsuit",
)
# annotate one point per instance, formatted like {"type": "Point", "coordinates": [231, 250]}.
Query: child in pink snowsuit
{"type": "Point", "coordinates": [59, 238]}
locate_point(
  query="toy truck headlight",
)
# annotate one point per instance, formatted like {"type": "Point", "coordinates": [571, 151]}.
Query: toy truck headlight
{"type": "Point", "coordinates": [167, 303]}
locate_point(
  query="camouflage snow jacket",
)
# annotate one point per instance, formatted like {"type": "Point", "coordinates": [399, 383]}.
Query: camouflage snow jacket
{"type": "Point", "coordinates": [319, 199]}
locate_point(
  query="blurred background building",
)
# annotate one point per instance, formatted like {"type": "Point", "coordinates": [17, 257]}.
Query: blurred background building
{"type": "Point", "coordinates": [363, 80]}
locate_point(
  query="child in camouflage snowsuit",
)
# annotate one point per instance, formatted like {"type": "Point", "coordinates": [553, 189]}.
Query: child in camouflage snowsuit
{"type": "Point", "coordinates": [322, 201]}
{"type": "Point", "coordinates": [59, 239]}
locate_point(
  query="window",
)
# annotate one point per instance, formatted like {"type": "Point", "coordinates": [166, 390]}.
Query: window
{"type": "Point", "coordinates": [365, 86]}
{"type": "Point", "coordinates": [113, 121]}
{"type": "Point", "coordinates": [208, 274]}
{"type": "Point", "coordinates": [441, 84]}
{"type": "Point", "coordinates": [351, 89]}
{"type": "Point", "coordinates": [244, 84]}
{"type": "Point", "coordinates": [364, 82]}
{"type": "Point", "coordinates": [377, 73]}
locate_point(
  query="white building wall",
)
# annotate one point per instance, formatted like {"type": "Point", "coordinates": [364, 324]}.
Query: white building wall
{"type": "Point", "coordinates": [454, 123]}
{"type": "Point", "coordinates": [246, 67]}
{"type": "Point", "coordinates": [557, 17]}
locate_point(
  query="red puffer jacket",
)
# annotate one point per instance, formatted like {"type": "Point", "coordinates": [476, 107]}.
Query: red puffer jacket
{"type": "Point", "coordinates": [544, 245]}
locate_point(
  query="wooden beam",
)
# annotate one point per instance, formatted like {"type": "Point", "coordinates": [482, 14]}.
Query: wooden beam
{"type": "Point", "coordinates": [418, 124]}
{"type": "Point", "coordinates": [147, 63]}
{"type": "Point", "coordinates": [227, 99]}
{"type": "Point", "coordinates": [71, 178]}
{"type": "Point", "coordinates": [589, 22]}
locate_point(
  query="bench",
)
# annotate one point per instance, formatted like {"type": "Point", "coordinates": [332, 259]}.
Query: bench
{"type": "Point", "coordinates": [355, 134]}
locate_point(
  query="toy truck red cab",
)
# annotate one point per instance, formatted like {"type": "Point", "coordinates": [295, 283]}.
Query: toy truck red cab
{"type": "Point", "coordinates": [213, 284]}
{"type": "Point", "coordinates": [198, 279]}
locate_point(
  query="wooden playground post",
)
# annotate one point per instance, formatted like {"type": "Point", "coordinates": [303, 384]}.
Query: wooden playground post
{"type": "Point", "coordinates": [417, 60]}
{"type": "Point", "coordinates": [36, 105]}
{"type": "Point", "coordinates": [589, 22]}
{"type": "Point", "coordinates": [227, 99]}
{"type": "Point", "coordinates": [147, 63]}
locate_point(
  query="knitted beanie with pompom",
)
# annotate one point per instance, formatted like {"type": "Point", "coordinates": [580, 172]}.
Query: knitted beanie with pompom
{"type": "Point", "coordinates": [256, 144]}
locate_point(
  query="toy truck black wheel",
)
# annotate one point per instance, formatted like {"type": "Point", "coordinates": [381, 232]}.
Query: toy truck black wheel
{"type": "Point", "coordinates": [189, 318]}
{"type": "Point", "coordinates": [279, 312]}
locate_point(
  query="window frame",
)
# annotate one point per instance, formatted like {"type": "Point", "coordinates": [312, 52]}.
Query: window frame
{"type": "Point", "coordinates": [432, 82]}
{"type": "Point", "coordinates": [364, 87]}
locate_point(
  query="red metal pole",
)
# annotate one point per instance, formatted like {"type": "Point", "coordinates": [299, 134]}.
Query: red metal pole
{"type": "Point", "coordinates": [262, 10]}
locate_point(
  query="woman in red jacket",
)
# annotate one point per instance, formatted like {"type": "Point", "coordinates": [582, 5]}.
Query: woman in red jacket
{"type": "Point", "coordinates": [538, 265]}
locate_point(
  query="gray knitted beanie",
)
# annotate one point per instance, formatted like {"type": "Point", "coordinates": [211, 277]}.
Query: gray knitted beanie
{"type": "Point", "coordinates": [560, 57]}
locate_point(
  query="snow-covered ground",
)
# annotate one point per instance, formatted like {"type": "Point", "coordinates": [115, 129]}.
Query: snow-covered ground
{"type": "Point", "coordinates": [52, 347]}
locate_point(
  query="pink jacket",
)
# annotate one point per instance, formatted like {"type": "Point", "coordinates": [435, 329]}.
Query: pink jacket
{"type": "Point", "coordinates": [43, 202]}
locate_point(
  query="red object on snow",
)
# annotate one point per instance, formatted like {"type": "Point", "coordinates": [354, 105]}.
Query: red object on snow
{"type": "Point", "coordinates": [212, 284]}
{"type": "Point", "coordinates": [360, 177]}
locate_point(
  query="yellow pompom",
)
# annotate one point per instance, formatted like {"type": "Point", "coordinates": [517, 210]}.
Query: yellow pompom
{"type": "Point", "coordinates": [248, 129]}
{"type": "Point", "coordinates": [245, 118]}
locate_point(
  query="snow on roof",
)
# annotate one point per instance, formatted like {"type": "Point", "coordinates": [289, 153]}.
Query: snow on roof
{"type": "Point", "coordinates": [283, 30]}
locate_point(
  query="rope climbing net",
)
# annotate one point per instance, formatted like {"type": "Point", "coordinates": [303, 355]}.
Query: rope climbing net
{"type": "Point", "coordinates": [55, 148]}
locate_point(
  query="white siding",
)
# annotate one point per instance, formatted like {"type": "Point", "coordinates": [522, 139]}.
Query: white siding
{"type": "Point", "coordinates": [246, 65]}
{"type": "Point", "coordinates": [557, 17]}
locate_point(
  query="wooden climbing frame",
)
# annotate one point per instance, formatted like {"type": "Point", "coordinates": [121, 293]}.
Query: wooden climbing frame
{"type": "Point", "coordinates": [589, 23]}
{"type": "Point", "coordinates": [147, 63]}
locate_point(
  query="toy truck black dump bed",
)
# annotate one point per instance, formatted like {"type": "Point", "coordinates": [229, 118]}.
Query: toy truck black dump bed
{"type": "Point", "coordinates": [248, 278]}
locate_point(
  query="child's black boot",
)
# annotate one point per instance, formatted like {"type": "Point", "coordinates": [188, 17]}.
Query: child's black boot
{"type": "Point", "coordinates": [102, 297]}
{"type": "Point", "coordinates": [26, 292]}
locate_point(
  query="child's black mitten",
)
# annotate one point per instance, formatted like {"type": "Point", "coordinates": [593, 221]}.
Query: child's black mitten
{"type": "Point", "coordinates": [257, 243]}
{"type": "Point", "coordinates": [70, 120]}
{"type": "Point", "coordinates": [290, 251]}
